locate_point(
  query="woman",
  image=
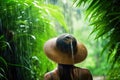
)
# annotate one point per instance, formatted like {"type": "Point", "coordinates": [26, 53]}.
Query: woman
{"type": "Point", "coordinates": [66, 51]}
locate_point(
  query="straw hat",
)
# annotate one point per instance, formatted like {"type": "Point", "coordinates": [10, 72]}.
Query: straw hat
{"type": "Point", "coordinates": [59, 56]}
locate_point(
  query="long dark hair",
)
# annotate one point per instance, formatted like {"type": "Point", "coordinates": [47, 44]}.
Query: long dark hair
{"type": "Point", "coordinates": [65, 72]}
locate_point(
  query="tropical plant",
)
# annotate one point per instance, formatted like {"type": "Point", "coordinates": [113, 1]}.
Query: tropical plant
{"type": "Point", "coordinates": [95, 62]}
{"type": "Point", "coordinates": [104, 16]}
{"type": "Point", "coordinates": [24, 27]}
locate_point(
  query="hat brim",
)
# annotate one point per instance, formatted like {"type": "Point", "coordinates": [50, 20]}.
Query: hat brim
{"type": "Point", "coordinates": [63, 58]}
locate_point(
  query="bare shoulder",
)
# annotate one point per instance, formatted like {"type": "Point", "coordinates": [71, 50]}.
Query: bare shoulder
{"type": "Point", "coordinates": [85, 74]}
{"type": "Point", "coordinates": [51, 75]}
{"type": "Point", "coordinates": [83, 70]}
{"type": "Point", "coordinates": [86, 71]}
{"type": "Point", "coordinates": [47, 76]}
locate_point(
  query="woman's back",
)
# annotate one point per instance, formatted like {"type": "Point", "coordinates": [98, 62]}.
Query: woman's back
{"type": "Point", "coordinates": [76, 74]}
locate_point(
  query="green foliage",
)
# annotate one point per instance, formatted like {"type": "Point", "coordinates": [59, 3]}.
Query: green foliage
{"type": "Point", "coordinates": [104, 16]}
{"type": "Point", "coordinates": [25, 25]}
{"type": "Point", "coordinates": [95, 62]}
{"type": "Point", "coordinates": [116, 75]}
{"type": "Point", "coordinates": [3, 63]}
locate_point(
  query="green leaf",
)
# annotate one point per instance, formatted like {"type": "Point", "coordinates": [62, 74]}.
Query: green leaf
{"type": "Point", "coordinates": [3, 61]}
{"type": "Point", "coordinates": [56, 13]}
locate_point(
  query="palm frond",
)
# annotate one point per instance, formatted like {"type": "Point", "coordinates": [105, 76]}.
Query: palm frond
{"type": "Point", "coordinates": [105, 17]}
